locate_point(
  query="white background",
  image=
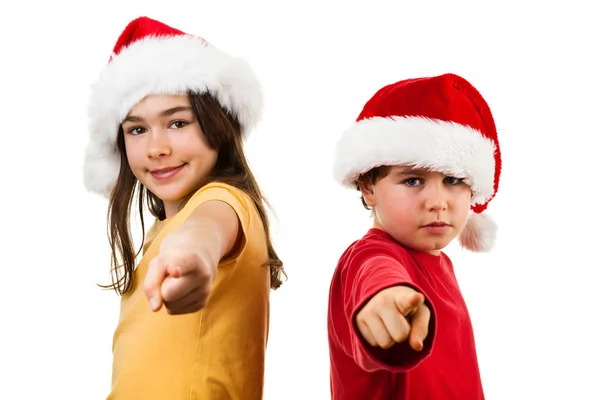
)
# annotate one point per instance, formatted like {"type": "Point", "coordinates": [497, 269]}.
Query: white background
{"type": "Point", "coordinates": [533, 300]}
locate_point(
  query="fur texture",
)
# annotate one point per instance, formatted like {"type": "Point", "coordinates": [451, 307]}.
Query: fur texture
{"type": "Point", "coordinates": [437, 145]}
{"type": "Point", "coordinates": [479, 235]}
{"type": "Point", "coordinates": [154, 65]}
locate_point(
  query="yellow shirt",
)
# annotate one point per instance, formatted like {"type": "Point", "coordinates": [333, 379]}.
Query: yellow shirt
{"type": "Point", "coordinates": [216, 353]}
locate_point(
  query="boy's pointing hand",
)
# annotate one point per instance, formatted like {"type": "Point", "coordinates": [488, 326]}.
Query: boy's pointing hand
{"type": "Point", "coordinates": [394, 315]}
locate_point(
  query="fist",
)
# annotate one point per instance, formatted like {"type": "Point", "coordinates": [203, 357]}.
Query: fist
{"type": "Point", "coordinates": [394, 315]}
{"type": "Point", "coordinates": [179, 280]}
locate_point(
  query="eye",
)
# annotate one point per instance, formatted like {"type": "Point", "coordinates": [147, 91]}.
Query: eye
{"type": "Point", "coordinates": [136, 130]}
{"type": "Point", "coordinates": [451, 180]}
{"type": "Point", "coordinates": [179, 125]}
{"type": "Point", "coordinates": [412, 181]}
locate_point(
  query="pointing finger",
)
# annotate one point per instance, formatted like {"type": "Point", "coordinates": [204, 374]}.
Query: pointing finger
{"type": "Point", "coordinates": [419, 327]}
{"type": "Point", "coordinates": [157, 271]}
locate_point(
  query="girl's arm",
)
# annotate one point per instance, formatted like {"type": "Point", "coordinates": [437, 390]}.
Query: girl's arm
{"type": "Point", "coordinates": [181, 275]}
{"type": "Point", "coordinates": [211, 229]}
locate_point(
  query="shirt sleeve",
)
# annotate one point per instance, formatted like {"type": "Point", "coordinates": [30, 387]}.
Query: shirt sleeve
{"type": "Point", "coordinates": [363, 280]}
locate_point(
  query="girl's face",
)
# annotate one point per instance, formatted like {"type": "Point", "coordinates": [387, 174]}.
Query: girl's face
{"type": "Point", "coordinates": [421, 209]}
{"type": "Point", "coordinates": [166, 148]}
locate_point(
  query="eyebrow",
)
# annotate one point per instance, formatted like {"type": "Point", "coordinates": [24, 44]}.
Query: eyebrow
{"type": "Point", "coordinates": [415, 171]}
{"type": "Point", "coordinates": [164, 113]}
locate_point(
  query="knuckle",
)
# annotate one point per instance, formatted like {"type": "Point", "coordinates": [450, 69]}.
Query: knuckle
{"type": "Point", "coordinates": [363, 315]}
{"type": "Point", "coordinates": [203, 274]}
{"type": "Point", "coordinates": [167, 295]}
{"type": "Point", "coordinates": [362, 330]}
{"type": "Point", "coordinates": [399, 336]}
{"type": "Point", "coordinates": [361, 321]}
{"type": "Point", "coordinates": [168, 289]}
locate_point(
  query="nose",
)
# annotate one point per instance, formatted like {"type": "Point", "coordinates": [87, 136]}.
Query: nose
{"type": "Point", "coordinates": [436, 197]}
{"type": "Point", "coordinates": [158, 144]}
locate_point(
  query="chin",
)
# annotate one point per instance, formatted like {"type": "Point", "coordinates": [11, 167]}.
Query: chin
{"type": "Point", "coordinates": [431, 246]}
{"type": "Point", "coordinates": [168, 195]}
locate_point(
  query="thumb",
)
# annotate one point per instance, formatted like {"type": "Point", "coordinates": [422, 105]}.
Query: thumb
{"type": "Point", "coordinates": [408, 303]}
{"type": "Point", "coordinates": [157, 271]}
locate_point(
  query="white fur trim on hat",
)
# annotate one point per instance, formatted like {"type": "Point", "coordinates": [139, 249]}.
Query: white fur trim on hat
{"type": "Point", "coordinates": [155, 65]}
{"type": "Point", "coordinates": [446, 147]}
{"type": "Point", "coordinates": [479, 234]}
{"type": "Point", "coordinates": [101, 166]}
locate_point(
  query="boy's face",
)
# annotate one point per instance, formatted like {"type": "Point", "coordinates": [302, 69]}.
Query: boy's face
{"type": "Point", "coordinates": [421, 209]}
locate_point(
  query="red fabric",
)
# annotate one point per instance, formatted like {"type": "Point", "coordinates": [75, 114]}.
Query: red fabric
{"type": "Point", "coordinates": [143, 27]}
{"type": "Point", "coordinates": [445, 369]}
{"type": "Point", "coordinates": [446, 97]}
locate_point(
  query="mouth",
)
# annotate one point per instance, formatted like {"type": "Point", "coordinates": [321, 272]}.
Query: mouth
{"type": "Point", "coordinates": [165, 173]}
{"type": "Point", "coordinates": [436, 228]}
{"type": "Point", "coordinates": [436, 224]}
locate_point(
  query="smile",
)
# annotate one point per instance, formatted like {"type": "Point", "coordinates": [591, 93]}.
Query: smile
{"type": "Point", "coordinates": [166, 173]}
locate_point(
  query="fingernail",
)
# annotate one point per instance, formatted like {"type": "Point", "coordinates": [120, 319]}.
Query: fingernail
{"type": "Point", "coordinates": [153, 304]}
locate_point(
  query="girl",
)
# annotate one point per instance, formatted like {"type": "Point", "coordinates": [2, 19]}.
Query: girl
{"type": "Point", "coordinates": [168, 118]}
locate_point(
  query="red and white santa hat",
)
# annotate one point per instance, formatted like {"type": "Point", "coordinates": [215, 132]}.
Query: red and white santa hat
{"type": "Point", "coordinates": [440, 123]}
{"type": "Point", "coordinates": [151, 58]}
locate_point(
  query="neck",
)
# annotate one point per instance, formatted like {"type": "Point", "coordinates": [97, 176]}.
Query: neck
{"type": "Point", "coordinates": [377, 225]}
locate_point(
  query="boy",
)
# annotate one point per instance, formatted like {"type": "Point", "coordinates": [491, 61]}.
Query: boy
{"type": "Point", "coordinates": [422, 153]}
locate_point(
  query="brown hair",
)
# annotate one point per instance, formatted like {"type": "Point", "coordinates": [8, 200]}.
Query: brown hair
{"type": "Point", "coordinates": [223, 133]}
{"type": "Point", "coordinates": [371, 176]}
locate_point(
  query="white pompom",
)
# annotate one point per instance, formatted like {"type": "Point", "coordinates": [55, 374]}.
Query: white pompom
{"type": "Point", "coordinates": [479, 235]}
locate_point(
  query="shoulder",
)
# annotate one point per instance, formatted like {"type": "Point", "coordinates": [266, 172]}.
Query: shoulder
{"type": "Point", "coordinates": [375, 243]}
{"type": "Point", "coordinates": [379, 242]}
{"type": "Point", "coordinates": [220, 191]}
{"type": "Point", "coordinates": [446, 261]}
{"type": "Point", "coordinates": [239, 200]}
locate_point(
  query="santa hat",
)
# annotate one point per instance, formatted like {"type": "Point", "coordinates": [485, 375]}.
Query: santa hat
{"type": "Point", "coordinates": [440, 123]}
{"type": "Point", "coordinates": [153, 58]}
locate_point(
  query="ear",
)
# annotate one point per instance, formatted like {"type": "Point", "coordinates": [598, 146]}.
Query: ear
{"type": "Point", "coordinates": [366, 189]}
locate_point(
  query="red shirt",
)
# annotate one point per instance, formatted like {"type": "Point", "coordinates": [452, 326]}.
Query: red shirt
{"type": "Point", "coordinates": [446, 369]}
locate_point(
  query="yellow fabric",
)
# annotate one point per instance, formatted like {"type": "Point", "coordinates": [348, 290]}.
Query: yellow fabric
{"type": "Point", "coordinates": [216, 353]}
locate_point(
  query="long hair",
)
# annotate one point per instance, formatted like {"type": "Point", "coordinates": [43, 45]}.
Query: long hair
{"type": "Point", "coordinates": [223, 133]}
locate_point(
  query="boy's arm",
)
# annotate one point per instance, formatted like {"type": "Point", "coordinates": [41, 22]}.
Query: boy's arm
{"type": "Point", "coordinates": [363, 282]}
